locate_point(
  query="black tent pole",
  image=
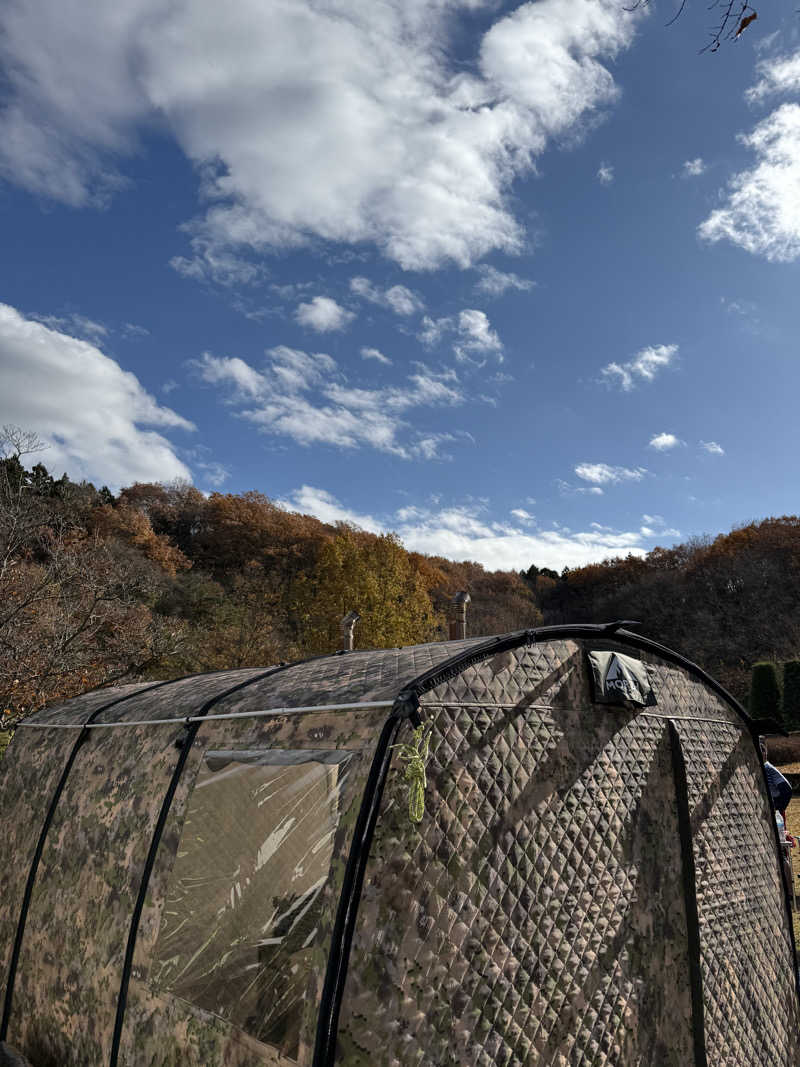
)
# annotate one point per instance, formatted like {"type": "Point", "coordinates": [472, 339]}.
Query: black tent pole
{"type": "Point", "coordinates": [37, 855]}
{"type": "Point", "coordinates": [192, 729]}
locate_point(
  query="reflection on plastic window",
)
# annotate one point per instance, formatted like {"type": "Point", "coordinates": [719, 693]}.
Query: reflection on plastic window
{"type": "Point", "coordinates": [247, 924]}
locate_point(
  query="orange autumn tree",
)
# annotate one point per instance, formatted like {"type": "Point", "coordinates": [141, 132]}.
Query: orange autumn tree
{"type": "Point", "coordinates": [373, 575]}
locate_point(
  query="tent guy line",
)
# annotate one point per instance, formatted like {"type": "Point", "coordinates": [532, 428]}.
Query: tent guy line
{"type": "Point", "coordinates": [311, 708]}
{"type": "Point", "coordinates": [203, 718]}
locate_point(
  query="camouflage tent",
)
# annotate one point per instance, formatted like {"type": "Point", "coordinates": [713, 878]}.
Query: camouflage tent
{"type": "Point", "coordinates": [226, 869]}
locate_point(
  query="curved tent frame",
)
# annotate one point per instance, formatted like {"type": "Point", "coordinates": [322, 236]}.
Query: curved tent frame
{"type": "Point", "coordinates": [405, 708]}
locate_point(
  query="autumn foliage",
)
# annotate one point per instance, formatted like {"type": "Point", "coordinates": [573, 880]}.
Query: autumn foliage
{"type": "Point", "coordinates": [725, 602]}
{"type": "Point", "coordinates": [161, 580]}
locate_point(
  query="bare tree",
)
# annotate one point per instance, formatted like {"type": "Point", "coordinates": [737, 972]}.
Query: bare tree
{"type": "Point", "coordinates": [74, 601]}
{"type": "Point", "coordinates": [734, 18]}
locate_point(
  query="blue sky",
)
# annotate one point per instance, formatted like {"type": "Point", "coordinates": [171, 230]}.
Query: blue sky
{"type": "Point", "coordinates": [516, 281]}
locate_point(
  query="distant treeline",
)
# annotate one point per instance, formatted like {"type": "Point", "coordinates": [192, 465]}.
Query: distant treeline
{"type": "Point", "coordinates": [159, 581]}
{"type": "Point", "coordinates": [725, 602]}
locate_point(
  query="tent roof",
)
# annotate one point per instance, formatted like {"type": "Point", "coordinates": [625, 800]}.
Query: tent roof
{"type": "Point", "coordinates": [340, 678]}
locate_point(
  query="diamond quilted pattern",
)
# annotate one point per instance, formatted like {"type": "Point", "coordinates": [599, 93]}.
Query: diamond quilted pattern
{"type": "Point", "coordinates": [739, 896]}
{"type": "Point", "coordinates": [530, 920]}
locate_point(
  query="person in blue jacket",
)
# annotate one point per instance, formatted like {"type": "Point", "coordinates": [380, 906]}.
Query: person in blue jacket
{"type": "Point", "coordinates": [780, 792]}
{"type": "Point", "coordinates": [779, 789]}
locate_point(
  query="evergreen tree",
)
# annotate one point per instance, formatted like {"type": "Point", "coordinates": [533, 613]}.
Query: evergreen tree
{"type": "Point", "coordinates": [765, 692]}
{"type": "Point", "coordinates": [791, 694]}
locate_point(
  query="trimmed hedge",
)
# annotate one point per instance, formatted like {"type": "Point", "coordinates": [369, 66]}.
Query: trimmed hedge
{"type": "Point", "coordinates": [791, 694]}
{"type": "Point", "coordinates": [765, 692]}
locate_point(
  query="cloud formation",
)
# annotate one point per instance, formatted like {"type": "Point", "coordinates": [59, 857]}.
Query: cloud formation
{"type": "Point", "coordinates": [306, 121]}
{"type": "Point", "coordinates": [602, 474]}
{"type": "Point", "coordinates": [323, 314]}
{"type": "Point", "coordinates": [663, 442]}
{"type": "Point", "coordinates": [376, 354]}
{"type": "Point", "coordinates": [303, 396]}
{"type": "Point", "coordinates": [397, 298]}
{"type": "Point", "coordinates": [91, 412]}
{"type": "Point", "coordinates": [567, 489]}
{"type": "Point", "coordinates": [473, 335]}
{"type": "Point", "coordinates": [466, 532]}
{"type": "Point", "coordinates": [762, 209]}
{"type": "Point", "coordinates": [495, 282]}
{"type": "Point", "coordinates": [693, 168]}
{"type": "Point", "coordinates": [780, 74]}
{"type": "Point", "coordinates": [605, 174]}
{"type": "Point", "coordinates": [642, 368]}
{"type": "Point", "coordinates": [713, 448]}
{"type": "Point", "coordinates": [476, 336]}
{"type": "Point", "coordinates": [655, 527]}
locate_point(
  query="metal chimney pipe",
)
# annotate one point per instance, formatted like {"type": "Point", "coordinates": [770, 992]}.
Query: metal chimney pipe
{"type": "Point", "coordinates": [347, 626]}
{"type": "Point", "coordinates": [458, 621]}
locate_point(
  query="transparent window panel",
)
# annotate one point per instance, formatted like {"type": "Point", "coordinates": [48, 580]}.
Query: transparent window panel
{"type": "Point", "coordinates": [250, 907]}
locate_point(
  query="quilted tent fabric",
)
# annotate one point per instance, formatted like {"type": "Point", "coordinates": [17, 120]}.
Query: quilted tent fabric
{"type": "Point", "coordinates": [68, 978]}
{"type": "Point", "coordinates": [538, 915]}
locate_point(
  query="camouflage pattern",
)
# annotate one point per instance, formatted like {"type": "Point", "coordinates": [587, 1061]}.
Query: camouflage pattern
{"type": "Point", "coordinates": [29, 773]}
{"type": "Point", "coordinates": [71, 962]}
{"type": "Point", "coordinates": [535, 916]}
{"type": "Point", "coordinates": [743, 943]}
{"type": "Point", "coordinates": [199, 1045]}
{"type": "Point", "coordinates": [89, 876]}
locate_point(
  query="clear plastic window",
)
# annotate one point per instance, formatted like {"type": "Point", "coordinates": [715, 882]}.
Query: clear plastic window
{"type": "Point", "coordinates": [247, 921]}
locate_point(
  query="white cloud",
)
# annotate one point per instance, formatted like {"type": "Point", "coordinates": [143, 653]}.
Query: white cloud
{"type": "Point", "coordinates": [308, 121]}
{"type": "Point", "coordinates": [654, 526]}
{"type": "Point", "coordinates": [522, 515]}
{"type": "Point", "coordinates": [780, 74]}
{"type": "Point", "coordinates": [663, 442]}
{"type": "Point", "coordinates": [304, 397]}
{"type": "Point", "coordinates": [643, 367]}
{"type": "Point", "coordinates": [376, 354]}
{"type": "Point", "coordinates": [713, 448]}
{"type": "Point", "coordinates": [693, 168]}
{"type": "Point", "coordinates": [215, 474]}
{"type": "Point", "coordinates": [213, 262]}
{"type": "Point", "coordinates": [324, 506]}
{"type": "Point", "coordinates": [762, 210]}
{"type": "Point", "coordinates": [233, 371]}
{"type": "Point", "coordinates": [605, 174]}
{"type": "Point", "coordinates": [75, 325]}
{"type": "Point", "coordinates": [466, 532]}
{"type": "Point", "coordinates": [603, 474]}
{"type": "Point", "coordinates": [495, 282]}
{"type": "Point", "coordinates": [746, 309]}
{"type": "Point", "coordinates": [131, 330]}
{"type": "Point", "coordinates": [567, 489]}
{"type": "Point", "coordinates": [433, 330]}
{"type": "Point", "coordinates": [398, 298]}
{"type": "Point", "coordinates": [647, 531]}
{"type": "Point", "coordinates": [475, 335]}
{"type": "Point", "coordinates": [323, 314]}
{"type": "Point", "coordinates": [89, 410]}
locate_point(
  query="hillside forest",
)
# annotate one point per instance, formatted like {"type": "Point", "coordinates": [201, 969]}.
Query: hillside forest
{"type": "Point", "coordinates": [158, 581]}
